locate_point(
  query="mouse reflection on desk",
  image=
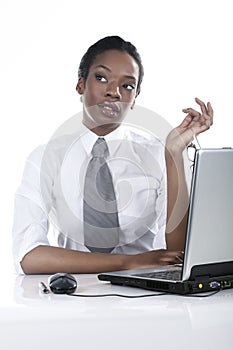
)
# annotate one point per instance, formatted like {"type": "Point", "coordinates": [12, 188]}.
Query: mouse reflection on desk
{"type": "Point", "coordinates": [62, 283]}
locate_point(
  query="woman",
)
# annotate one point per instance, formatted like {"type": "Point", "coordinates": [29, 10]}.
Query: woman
{"type": "Point", "coordinates": [110, 76]}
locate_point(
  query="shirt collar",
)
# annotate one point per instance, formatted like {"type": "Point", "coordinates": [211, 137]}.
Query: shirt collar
{"type": "Point", "coordinates": [89, 138]}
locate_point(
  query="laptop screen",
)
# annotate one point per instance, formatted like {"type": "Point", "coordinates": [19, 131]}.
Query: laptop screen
{"type": "Point", "coordinates": [209, 237]}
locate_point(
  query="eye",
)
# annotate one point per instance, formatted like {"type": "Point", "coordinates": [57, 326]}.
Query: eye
{"type": "Point", "coordinates": [129, 86]}
{"type": "Point", "coordinates": [100, 77]}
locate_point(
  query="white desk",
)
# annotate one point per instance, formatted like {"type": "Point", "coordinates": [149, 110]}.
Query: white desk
{"type": "Point", "coordinates": [31, 320]}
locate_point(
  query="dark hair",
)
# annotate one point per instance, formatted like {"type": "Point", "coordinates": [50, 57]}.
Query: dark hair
{"type": "Point", "coordinates": [109, 43]}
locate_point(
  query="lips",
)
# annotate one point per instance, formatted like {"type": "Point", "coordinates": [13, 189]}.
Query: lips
{"type": "Point", "coordinates": [111, 109]}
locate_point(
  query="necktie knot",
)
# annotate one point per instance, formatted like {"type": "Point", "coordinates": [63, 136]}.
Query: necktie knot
{"type": "Point", "coordinates": [100, 149]}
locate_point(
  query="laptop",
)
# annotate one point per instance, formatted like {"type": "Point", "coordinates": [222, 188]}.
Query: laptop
{"type": "Point", "coordinates": [208, 253]}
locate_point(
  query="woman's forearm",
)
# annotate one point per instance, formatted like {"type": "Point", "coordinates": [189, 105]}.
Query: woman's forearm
{"type": "Point", "coordinates": [49, 260]}
{"type": "Point", "coordinates": [178, 200]}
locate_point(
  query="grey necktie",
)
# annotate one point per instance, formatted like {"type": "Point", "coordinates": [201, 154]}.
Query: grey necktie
{"type": "Point", "coordinates": [101, 225]}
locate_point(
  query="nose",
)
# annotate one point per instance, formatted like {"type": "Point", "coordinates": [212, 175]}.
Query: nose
{"type": "Point", "coordinates": [113, 91]}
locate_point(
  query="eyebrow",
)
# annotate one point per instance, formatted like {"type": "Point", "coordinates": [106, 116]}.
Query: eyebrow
{"type": "Point", "coordinates": [109, 70]}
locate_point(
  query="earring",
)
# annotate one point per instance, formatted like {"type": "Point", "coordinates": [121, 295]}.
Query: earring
{"type": "Point", "coordinates": [81, 99]}
{"type": "Point", "coordinates": [132, 107]}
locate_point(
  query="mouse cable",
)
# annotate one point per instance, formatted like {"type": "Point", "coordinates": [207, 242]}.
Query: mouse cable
{"type": "Point", "coordinates": [201, 295]}
{"type": "Point", "coordinates": [142, 296]}
{"type": "Point", "coordinates": [115, 295]}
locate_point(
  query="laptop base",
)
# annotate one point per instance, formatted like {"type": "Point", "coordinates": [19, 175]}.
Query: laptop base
{"type": "Point", "coordinates": [198, 285]}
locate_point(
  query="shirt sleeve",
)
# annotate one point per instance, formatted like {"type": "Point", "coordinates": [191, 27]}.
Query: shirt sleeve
{"type": "Point", "coordinates": [161, 202]}
{"type": "Point", "coordinates": [161, 213]}
{"type": "Point", "coordinates": [30, 222]}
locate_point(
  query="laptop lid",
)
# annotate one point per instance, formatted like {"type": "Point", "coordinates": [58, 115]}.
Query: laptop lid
{"type": "Point", "coordinates": [209, 237]}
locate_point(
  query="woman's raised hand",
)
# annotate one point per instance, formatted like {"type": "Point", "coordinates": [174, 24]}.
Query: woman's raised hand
{"type": "Point", "coordinates": [193, 124]}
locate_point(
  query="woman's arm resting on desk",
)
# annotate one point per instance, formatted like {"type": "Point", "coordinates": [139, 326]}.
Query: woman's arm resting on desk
{"type": "Point", "coordinates": [48, 260]}
{"type": "Point", "coordinates": [178, 198]}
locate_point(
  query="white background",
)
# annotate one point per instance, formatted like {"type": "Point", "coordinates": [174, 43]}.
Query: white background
{"type": "Point", "coordinates": [186, 48]}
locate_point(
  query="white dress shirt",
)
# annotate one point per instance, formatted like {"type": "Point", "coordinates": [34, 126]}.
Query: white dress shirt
{"type": "Point", "coordinates": [49, 201]}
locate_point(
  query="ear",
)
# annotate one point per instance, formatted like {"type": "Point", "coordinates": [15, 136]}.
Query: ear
{"type": "Point", "coordinates": [80, 86]}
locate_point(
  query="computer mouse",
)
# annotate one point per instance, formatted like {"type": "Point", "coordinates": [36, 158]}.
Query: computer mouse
{"type": "Point", "coordinates": [62, 283]}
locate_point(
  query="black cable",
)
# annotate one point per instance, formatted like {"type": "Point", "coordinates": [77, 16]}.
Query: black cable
{"type": "Point", "coordinates": [201, 295]}
{"type": "Point", "coordinates": [143, 295]}
{"type": "Point", "coordinates": [115, 295]}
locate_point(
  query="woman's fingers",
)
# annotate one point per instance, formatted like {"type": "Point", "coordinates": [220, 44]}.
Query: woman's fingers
{"type": "Point", "coordinates": [200, 121]}
{"type": "Point", "coordinates": [210, 112]}
{"type": "Point", "coordinates": [171, 257]}
{"type": "Point", "coordinates": [192, 112]}
{"type": "Point", "coordinates": [202, 105]}
{"type": "Point", "coordinates": [206, 109]}
{"type": "Point", "coordinates": [194, 123]}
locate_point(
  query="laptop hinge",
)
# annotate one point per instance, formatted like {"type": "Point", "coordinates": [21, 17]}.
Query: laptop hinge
{"type": "Point", "coordinates": [211, 270]}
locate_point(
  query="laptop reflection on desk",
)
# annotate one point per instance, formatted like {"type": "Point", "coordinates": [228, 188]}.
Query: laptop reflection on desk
{"type": "Point", "coordinates": [208, 254]}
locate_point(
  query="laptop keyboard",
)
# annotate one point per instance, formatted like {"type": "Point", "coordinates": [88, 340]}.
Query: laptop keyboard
{"type": "Point", "coordinates": [173, 275]}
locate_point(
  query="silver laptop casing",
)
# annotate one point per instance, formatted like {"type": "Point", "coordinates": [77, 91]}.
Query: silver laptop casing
{"type": "Point", "coordinates": [210, 220]}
